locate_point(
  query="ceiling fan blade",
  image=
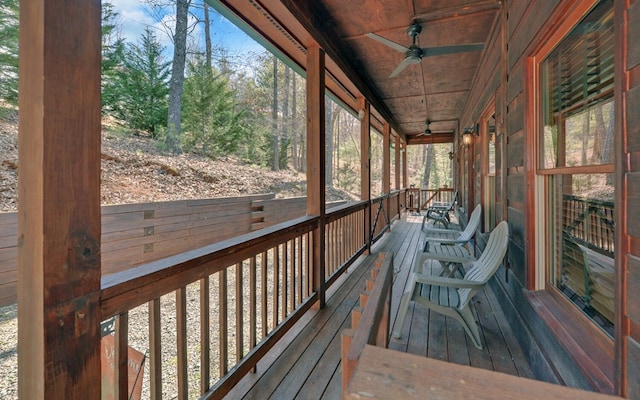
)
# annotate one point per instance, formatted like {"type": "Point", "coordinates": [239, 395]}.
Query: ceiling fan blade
{"type": "Point", "coordinates": [387, 42]}
{"type": "Point", "coordinates": [451, 49]}
{"type": "Point", "coordinates": [401, 67]}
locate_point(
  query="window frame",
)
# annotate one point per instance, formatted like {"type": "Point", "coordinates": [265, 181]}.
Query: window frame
{"type": "Point", "coordinates": [538, 258]}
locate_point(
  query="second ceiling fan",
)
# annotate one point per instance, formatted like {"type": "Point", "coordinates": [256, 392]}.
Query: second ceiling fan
{"type": "Point", "coordinates": [414, 53]}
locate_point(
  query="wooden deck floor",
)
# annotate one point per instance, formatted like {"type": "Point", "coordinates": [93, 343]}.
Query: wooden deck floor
{"type": "Point", "coordinates": [306, 362]}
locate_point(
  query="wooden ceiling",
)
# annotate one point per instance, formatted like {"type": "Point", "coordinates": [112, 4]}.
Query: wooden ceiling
{"type": "Point", "coordinates": [436, 88]}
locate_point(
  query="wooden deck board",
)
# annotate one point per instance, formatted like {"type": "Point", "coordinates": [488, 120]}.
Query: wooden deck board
{"type": "Point", "coordinates": [307, 366]}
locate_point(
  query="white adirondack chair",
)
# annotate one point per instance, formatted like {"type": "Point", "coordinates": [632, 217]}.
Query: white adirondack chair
{"type": "Point", "coordinates": [439, 212]}
{"type": "Point", "coordinates": [448, 236]}
{"type": "Point", "coordinates": [451, 296]}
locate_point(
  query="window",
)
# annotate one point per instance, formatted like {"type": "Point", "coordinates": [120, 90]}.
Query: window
{"type": "Point", "coordinates": [575, 165]}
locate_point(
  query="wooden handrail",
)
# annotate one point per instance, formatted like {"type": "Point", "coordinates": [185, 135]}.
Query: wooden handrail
{"type": "Point", "coordinates": [125, 290]}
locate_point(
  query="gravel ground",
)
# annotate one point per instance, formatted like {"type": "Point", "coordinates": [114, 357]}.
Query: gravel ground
{"type": "Point", "coordinates": [139, 337]}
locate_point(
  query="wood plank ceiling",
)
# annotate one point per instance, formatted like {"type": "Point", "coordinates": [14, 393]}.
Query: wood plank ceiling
{"type": "Point", "coordinates": [436, 88]}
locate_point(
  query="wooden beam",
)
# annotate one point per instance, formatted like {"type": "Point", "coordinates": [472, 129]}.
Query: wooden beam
{"type": "Point", "coordinates": [436, 138]}
{"type": "Point", "coordinates": [316, 162]}
{"type": "Point", "coordinates": [59, 192]}
{"type": "Point", "coordinates": [457, 11]}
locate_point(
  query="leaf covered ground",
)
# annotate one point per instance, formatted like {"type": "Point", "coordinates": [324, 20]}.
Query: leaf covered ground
{"type": "Point", "coordinates": [136, 170]}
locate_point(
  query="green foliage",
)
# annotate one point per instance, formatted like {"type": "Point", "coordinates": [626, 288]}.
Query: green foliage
{"type": "Point", "coordinates": [9, 38]}
{"type": "Point", "coordinates": [112, 56]}
{"type": "Point", "coordinates": [212, 124]}
{"type": "Point", "coordinates": [140, 86]}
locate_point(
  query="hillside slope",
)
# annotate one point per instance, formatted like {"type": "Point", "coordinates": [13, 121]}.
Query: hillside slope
{"type": "Point", "coordinates": [135, 170]}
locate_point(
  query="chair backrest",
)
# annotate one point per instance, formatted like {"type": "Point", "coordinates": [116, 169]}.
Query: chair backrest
{"type": "Point", "coordinates": [472, 225]}
{"type": "Point", "coordinates": [484, 267]}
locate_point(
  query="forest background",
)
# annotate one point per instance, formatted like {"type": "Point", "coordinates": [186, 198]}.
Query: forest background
{"type": "Point", "coordinates": [184, 104]}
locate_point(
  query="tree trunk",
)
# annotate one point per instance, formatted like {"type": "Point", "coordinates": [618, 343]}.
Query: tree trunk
{"type": "Point", "coordinates": [328, 114]}
{"type": "Point", "coordinates": [177, 75]}
{"type": "Point", "coordinates": [274, 116]}
{"type": "Point", "coordinates": [294, 123]}
{"type": "Point", "coordinates": [207, 38]}
{"type": "Point", "coordinates": [286, 118]}
{"type": "Point", "coordinates": [428, 161]}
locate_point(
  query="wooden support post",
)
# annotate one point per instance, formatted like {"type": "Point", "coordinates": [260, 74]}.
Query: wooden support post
{"type": "Point", "coordinates": [365, 169]}
{"type": "Point", "coordinates": [405, 179]}
{"type": "Point", "coordinates": [397, 163]}
{"type": "Point", "coordinates": [59, 192]}
{"type": "Point", "coordinates": [316, 163]}
{"type": "Point", "coordinates": [386, 167]}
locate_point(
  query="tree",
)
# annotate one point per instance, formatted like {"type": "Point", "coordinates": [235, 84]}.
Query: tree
{"type": "Point", "coordinates": [9, 38]}
{"type": "Point", "coordinates": [274, 115]}
{"type": "Point", "coordinates": [141, 82]}
{"type": "Point", "coordinates": [212, 124]}
{"type": "Point", "coordinates": [112, 55]}
{"type": "Point", "coordinates": [174, 116]}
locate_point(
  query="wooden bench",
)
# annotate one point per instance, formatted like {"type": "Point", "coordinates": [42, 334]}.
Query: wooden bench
{"type": "Point", "coordinates": [369, 321]}
{"type": "Point", "coordinates": [390, 374]}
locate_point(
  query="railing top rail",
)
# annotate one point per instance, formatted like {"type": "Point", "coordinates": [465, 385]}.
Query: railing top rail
{"type": "Point", "coordinates": [345, 209]}
{"type": "Point", "coordinates": [125, 290]}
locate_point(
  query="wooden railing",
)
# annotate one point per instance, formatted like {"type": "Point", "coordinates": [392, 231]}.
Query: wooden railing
{"type": "Point", "coordinates": [370, 321]}
{"type": "Point", "coordinates": [419, 199]}
{"type": "Point", "coordinates": [345, 238]}
{"type": "Point", "coordinates": [219, 309]}
{"type": "Point", "coordinates": [133, 234]}
{"type": "Point", "coordinates": [591, 222]}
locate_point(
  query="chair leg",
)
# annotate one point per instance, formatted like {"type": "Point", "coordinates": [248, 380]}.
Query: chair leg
{"type": "Point", "coordinates": [470, 326]}
{"type": "Point", "coordinates": [402, 313]}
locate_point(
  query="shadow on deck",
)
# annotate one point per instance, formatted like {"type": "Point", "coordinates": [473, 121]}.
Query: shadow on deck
{"type": "Point", "coordinates": [306, 362]}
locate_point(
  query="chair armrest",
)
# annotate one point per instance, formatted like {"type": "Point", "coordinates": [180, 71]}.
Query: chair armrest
{"type": "Point", "coordinates": [440, 230]}
{"type": "Point", "coordinates": [448, 282]}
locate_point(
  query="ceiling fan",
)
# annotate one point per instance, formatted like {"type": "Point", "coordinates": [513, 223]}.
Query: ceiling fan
{"type": "Point", "coordinates": [428, 131]}
{"type": "Point", "coordinates": [413, 54]}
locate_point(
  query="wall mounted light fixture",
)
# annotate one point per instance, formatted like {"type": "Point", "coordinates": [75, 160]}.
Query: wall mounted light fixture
{"type": "Point", "coordinates": [468, 133]}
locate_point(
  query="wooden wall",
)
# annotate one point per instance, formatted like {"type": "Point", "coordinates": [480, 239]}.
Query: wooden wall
{"type": "Point", "coordinates": [133, 234]}
{"type": "Point", "coordinates": [504, 72]}
{"type": "Point", "coordinates": [628, 232]}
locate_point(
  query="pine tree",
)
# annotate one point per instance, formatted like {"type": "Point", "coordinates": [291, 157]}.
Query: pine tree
{"type": "Point", "coordinates": [142, 84]}
{"type": "Point", "coordinates": [212, 124]}
{"type": "Point", "coordinates": [9, 38]}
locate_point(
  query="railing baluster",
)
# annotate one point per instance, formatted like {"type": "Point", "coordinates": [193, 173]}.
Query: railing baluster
{"type": "Point", "coordinates": [252, 303]}
{"type": "Point", "coordinates": [292, 257]}
{"type": "Point", "coordinates": [155, 350]}
{"type": "Point", "coordinates": [263, 298]}
{"type": "Point", "coordinates": [181, 330]}
{"type": "Point", "coordinates": [239, 313]}
{"type": "Point", "coordinates": [222, 322]}
{"type": "Point", "coordinates": [121, 356]}
{"type": "Point", "coordinates": [276, 285]}
{"type": "Point", "coordinates": [300, 266]}
{"type": "Point", "coordinates": [205, 336]}
{"type": "Point", "coordinates": [285, 273]}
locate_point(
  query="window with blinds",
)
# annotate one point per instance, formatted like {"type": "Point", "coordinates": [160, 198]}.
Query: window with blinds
{"type": "Point", "coordinates": [576, 150]}
{"type": "Point", "coordinates": [577, 79]}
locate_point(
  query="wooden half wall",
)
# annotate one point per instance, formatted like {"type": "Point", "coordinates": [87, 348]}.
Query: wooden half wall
{"type": "Point", "coordinates": [133, 234]}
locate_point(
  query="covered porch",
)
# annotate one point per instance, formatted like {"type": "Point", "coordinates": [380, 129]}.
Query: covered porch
{"type": "Point", "coordinates": [306, 364]}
